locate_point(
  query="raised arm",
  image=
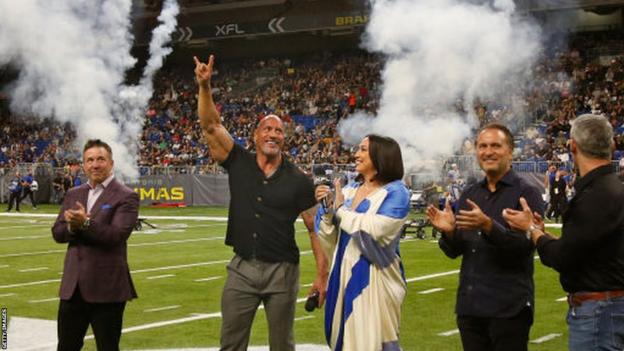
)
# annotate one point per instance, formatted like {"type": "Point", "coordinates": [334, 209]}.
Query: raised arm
{"type": "Point", "coordinates": [217, 137]}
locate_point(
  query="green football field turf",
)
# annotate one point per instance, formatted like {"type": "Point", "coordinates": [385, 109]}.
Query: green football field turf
{"type": "Point", "coordinates": [179, 271]}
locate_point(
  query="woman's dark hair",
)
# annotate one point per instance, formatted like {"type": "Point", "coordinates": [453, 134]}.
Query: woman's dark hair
{"type": "Point", "coordinates": [385, 153]}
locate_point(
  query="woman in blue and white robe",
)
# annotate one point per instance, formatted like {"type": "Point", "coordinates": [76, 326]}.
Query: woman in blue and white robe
{"type": "Point", "coordinates": [361, 232]}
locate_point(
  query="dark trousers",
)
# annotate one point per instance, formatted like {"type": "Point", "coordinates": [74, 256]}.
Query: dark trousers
{"type": "Point", "coordinates": [14, 197]}
{"type": "Point", "coordinates": [557, 206]}
{"type": "Point", "coordinates": [74, 317]}
{"type": "Point", "coordinates": [496, 334]}
{"type": "Point", "coordinates": [29, 193]}
{"type": "Point", "coordinates": [250, 283]}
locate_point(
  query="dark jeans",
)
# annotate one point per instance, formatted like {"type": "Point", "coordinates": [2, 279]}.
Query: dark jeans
{"type": "Point", "coordinates": [76, 314]}
{"type": "Point", "coordinates": [597, 325]}
{"type": "Point", "coordinates": [496, 334]}
{"type": "Point", "coordinates": [14, 197]}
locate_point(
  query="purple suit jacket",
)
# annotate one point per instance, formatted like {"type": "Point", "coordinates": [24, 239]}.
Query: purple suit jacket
{"type": "Point", "coordinates": [96, 258]}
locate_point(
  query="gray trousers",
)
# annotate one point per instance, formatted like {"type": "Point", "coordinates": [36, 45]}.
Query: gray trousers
{"type": "Point", "coordinates": [250, 282]}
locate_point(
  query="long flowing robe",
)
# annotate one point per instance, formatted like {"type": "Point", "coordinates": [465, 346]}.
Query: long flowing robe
{"type": "Point", "coordinates": [366, 284]}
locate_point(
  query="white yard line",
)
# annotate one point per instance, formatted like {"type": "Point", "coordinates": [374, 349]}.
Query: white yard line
{"type": "Point", "coordinates": [195, 317]}
{"type": "Point", "coordinates": [44, 300]}
{"type": "Point", "coordinates": [429, 276]}
{"type": "Point", "coordinates": [175, 218]}
{"type": "Point", "coordinates": [430, 291]}
{"type": "Point", "coordinates": [546, 338]}
{"type": "Point", "coordinates": [449, 332]}
{"type": "Point", "coordinates": [31, 237]}
{"type": "Point", "coordinates": [424, 277]}
{"type": "Point", "coordinates": [24, 226]}
{"type": "Point", "coordinates": [175, 241]}
{"type": "Point", "coordinates": [207, 279]}
{"type": "Point", "coordinates": [160, 276]}
{"type": "Point", "coordinates": [7, 295]}
{"type": "Point", "coordinates": [304, 317]}
{"type": "Point", "coordinates": [178, 218]}
{"type": "Point", "coordinates": [562, 299]}
{"type": "Point", "coordinates": [166, 308]}
{"type": "Point", "coordinates": [33, 269]}
{"type": "Point", "coordinates": [36, 253]}
{"type": "Point", "coordinates": [179, 266]}
{"type": "Point", "coordinates": [135, 271]}
{"type": "Point", "coordinates": [29, 283]}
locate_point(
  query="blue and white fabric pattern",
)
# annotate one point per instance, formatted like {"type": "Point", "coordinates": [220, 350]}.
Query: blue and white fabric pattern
{"type": "Point", "coordinates": [366, 284]}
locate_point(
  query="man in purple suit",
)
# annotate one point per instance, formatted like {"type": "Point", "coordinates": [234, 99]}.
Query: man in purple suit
{"type": "Point", "coordinates": [96, 220]}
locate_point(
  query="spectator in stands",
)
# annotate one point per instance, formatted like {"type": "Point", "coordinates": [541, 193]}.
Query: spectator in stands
{"type": "Point", "coordinates": [27, 189]}
{"type": "Point", "coordinates": [15, 192]}
{"type": "Point", "coordinates": [496, 296]}
{"type": "Point", "coordinates": [267, 195]}
{"type": "Point", "coordinates": [589, 255]}
{"type": "Point", "coordinates": [361, 230]}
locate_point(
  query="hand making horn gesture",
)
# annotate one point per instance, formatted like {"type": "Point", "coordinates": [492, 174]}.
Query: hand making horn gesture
{"type": "Point", "coordinates": [203, 71]}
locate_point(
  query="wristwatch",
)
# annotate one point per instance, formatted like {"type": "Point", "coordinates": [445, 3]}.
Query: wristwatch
{"type": "Point", "coordinates": [530, 230]}
{"type": "Point", "coordinates": [86, 223]}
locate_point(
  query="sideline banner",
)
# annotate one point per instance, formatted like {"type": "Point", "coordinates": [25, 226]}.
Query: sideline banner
{"type": "Point", "coordinates": [192, 190]}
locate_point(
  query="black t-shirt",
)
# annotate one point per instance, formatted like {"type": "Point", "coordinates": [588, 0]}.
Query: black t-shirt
{"type": "Point", "coordinates": [263, 210]}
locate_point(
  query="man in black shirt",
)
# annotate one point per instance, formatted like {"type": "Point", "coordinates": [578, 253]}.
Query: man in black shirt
{"type": "Point", "coordinates": [57, 189]}
{"type": "Point", "coordinates": [589, 255]}
{"type": "Point", "coordinates": [267, 194]}
{"type": "Point", "coordinates": [496, 295]}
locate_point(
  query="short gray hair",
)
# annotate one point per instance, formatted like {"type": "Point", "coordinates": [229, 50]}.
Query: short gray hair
{"type": "Point", "coordinates": [593, 135]}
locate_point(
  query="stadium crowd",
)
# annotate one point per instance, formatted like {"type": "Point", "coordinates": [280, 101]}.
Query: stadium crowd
{"type": "Point", "coordinates": [314, 93]}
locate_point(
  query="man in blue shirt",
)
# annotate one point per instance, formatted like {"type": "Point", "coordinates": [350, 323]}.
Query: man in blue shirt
{"type": "Point", "coordinates": [27, 183]}
{"type": "Point", "coordinates": [15, 189]}
{"type": "Point", "coordinates": [495, 298]}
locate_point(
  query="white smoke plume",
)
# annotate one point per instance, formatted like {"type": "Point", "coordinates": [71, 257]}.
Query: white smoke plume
{"type": "Point", "coordinates": [72, 56]}
{"type": "Point", "coordinates": [438, 55]}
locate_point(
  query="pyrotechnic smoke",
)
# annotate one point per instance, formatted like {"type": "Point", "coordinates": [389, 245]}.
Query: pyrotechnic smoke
{"type": "Point", "coordinates": [72, 56]}
{"type": "Point", "coordinates": [438, 55]}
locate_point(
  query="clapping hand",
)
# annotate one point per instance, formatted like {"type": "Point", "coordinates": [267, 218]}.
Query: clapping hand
{"type": "Point", "coordinates": [473, 219]}
{"type": "Point", "coordinates": [76, 217]}
{"type": "Point", "coordinates": [444, 221]}
{"type": "Point", "coordinates": [522, 219]}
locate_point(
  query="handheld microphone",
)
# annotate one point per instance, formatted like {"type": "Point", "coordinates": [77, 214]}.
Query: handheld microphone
{"type": "Point", "coordinates": [325, 201]}
{"type": "Point", "coordinates": [312, 302]}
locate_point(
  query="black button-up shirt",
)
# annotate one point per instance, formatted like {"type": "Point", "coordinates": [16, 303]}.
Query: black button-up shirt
{"type": "Point", "coordinates": [496, 277]}
{"type": "Point", "coordinates": [590, 253]}
{"type": "Point", "coordinates": [263, 210]}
